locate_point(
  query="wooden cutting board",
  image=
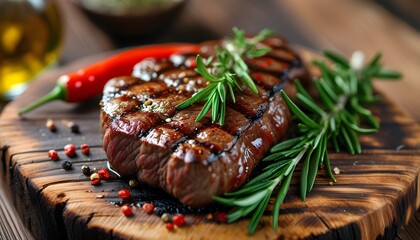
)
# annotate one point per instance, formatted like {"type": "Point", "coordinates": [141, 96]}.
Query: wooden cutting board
{"type": "Point", "coordinates": [375, 194]}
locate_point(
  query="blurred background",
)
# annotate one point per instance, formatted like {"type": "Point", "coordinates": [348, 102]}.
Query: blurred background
{"type": "Point", "coordinates": [391, 27]}
{"type": "Point", "coordinates": [43, 35]}
{"type": "Point", "coordinates": [74, 29]}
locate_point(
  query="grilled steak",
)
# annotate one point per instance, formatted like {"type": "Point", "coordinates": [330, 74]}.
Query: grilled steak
{"type": "Point", "coordinates": [145, 135]}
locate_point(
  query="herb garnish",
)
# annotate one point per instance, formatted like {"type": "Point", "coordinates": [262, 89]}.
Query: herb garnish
{"type": "Point", "coordinates": [228, 67]}
{"type": "Point", "coordinates": [342, 89]}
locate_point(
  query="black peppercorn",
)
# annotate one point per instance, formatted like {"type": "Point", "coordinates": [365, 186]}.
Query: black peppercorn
{"type": "Point", "coordinates": [85, 170]}
{"type": "Point", "coordinates": [67, 165]}
{"type": "Point", "coordinates": [74, 128]}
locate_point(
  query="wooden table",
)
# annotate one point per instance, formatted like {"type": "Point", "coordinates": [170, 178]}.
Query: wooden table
{"type": "Point", "coordinates": [343, 26]}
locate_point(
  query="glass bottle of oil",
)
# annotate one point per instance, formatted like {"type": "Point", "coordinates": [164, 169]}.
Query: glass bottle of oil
{"type": "Point", "coordinates": [30, 37]}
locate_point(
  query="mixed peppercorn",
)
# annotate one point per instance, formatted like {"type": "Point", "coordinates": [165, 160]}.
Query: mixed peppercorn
{"type": "Point", "coordinates": [103, 174]}
{"type": "Point", "coordinates": [124, 194]}
{"type": "Point", "coordinates": [70, 150]}
{"type": "Point", "coordinates": [50, 124]}
{"type": "Point", "coordinates": [67, 165]}
{"type": "Point", "coordinates": [53, 155]}
{"type": "Point", "coordinates": [148, 208]}
{"type": "Point", "coordinates": [74, 127]}
{"type": "Point", "coordinates": [85, 170]}
{"type": "Point", "coordinates": [170, 221]}
{"type": "Point", "coordinates": [177, 220]}
{"type": "Point", "coordinates": [85, 149]}
{"type": "Point", "coordinates": [127, 210]}
{"type": "Point", "coordinates": [95, 179]}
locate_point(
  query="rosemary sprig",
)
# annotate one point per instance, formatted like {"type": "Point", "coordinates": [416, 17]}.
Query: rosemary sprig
{"type": "Point", "coordinates": [342, 89]}
{"type": "Point", "coordinates": [226, 69]}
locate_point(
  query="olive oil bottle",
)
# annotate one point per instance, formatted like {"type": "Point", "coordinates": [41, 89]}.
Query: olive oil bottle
{"type": "Point", "coordinates": [30, 38]}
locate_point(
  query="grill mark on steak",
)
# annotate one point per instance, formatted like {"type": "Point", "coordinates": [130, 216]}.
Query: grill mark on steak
{"type": "Point", "coordinates": [250, 104]}
{"type": "Point", "coordinates": [173, 151]}
{"type": "Point", "coordinates": [268, 64]}
{"type": "Point", "coordinates": [283, 54]}
{"type": "Point", "coordinates": [270, 83]}
{"type": "Point", "coordinates": [136, 123]}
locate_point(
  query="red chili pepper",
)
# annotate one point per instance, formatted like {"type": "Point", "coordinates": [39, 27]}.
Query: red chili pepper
{"type": "Point", "coordinates": [89, 82]}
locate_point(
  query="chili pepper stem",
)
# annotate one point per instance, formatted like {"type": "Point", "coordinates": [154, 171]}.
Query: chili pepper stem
{"type": "Point", "coordinates": [58, 92]}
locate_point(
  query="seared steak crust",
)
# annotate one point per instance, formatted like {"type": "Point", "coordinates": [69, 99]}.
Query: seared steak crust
{"type": "Point", "coordinates": [145, 135]}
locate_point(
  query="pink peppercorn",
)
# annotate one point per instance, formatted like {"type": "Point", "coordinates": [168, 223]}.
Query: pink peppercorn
{"type": "Point", "coordinates": [85, 149]}
{"type": "Point", "coordinates": [127, 210]}
{"type": "Point", "coordinates": [95, 179]}
{"type": "Point", "coordinates": [169, 226]}
{"type": "Point", "coordinates": [103, 174]}
{"type": "Point", "coordinates": [124, 194]}
{"type": "Point", "coordinates": [53, 154]}
{"type": "Point", "coordinates": [179, 220]}
{"type": "Point", "coordinates": [70, 150]}
{"type": "Point", "coordinates": [148, 208]}
{"type": "Point", "coordinates": [221, 217]}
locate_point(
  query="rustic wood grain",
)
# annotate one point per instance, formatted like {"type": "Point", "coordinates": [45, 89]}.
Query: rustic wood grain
{"type": "Point", "coordinates": [9, 221]}
{"type": "Point", "coordinates": [202, 20]}
{"type": "Point", "coordinates": [412, 230]}
{"type": "Point", "coordinates": [376, 193]}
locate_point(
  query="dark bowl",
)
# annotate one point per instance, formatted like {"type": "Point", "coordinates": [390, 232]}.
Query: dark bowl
{"type": "Point", "coordinates": [132, 23]}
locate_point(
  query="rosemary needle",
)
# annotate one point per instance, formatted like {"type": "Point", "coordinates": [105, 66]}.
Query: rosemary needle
{"type": "Point", "coordinates": [342, 90]}
{"type": "Point", "coordinates": [229, 67]}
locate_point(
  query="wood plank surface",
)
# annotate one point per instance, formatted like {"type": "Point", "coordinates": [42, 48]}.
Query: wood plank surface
{"type": "Point", "coordinates": [344, 26]}
{"type": "Point", "coordinates": [10, 222]}
{"type": "Point", "coordinates": [376, 193]}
